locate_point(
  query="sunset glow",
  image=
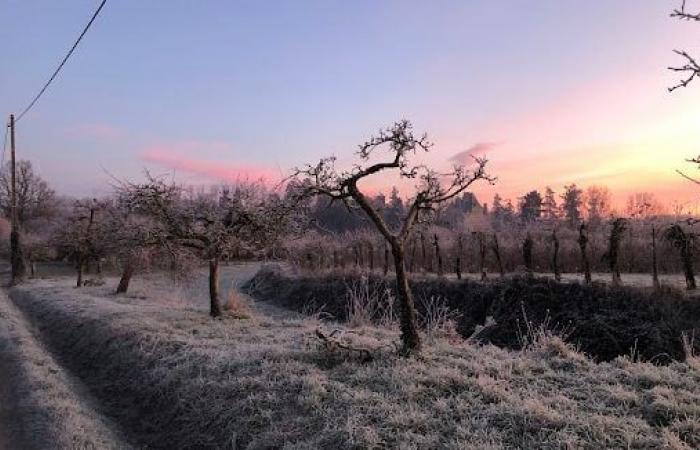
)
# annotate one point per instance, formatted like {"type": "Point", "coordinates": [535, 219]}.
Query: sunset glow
{"type": "Point", "coordinates": [552, 94]}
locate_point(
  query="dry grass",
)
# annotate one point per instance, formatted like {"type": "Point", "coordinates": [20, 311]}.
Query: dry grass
{"type": "Point", "coordinates": [174, 378]}
{"type": "Point", "coordinates": [237, 306]}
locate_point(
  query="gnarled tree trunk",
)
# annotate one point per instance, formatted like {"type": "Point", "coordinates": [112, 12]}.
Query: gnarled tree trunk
{"type": "Point", "coordinates": [125, 279]}
{"type": "Point", "coordinates": [409, 331]}
{"type": "Point", "coordinates": [215, 303]}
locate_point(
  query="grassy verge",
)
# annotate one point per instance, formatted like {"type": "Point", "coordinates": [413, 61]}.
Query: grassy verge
{"type": "Point", "coordinates": [173, 378]}
{"type": "Point", "coordinates": [50, 408]}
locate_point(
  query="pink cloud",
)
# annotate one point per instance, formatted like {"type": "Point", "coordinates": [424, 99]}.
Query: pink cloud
{"type": "Point", "coordinates": [221, 171]}
{"type": "Point", "coordinates": [478, 149]}
{"type": "Point", "coordinates": [100, 131]}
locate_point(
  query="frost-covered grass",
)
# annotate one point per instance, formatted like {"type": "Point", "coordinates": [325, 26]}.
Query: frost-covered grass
{"type": "Point", "coordinates": [174, 378]}
{"type": "Point", "coordinates": [48, 408]}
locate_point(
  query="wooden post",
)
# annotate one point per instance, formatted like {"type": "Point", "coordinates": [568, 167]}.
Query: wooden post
{"type": "Point", "coordinates": [424, 259]}
{"type": "Point", "coordinates": [497, 252]}
{"type": "Point", "coordinates": [654, 267]}
{"type": "Point", "coordinates": [527, 255]}
{"type": "Point", "coordinates": [386, 259]}
{"type": "Point", "coordinates": [583, 243]}
{"type": "Point", "coordinates": [482, 255]}
{"type": "Point", "coordinates": [16, 258]}
{"type": "Point", "coordinates": [438, 255]}
{"type": "Point", "coordinates": [555, 256]}
{"type": "Point", "coordinates": [458, 257]}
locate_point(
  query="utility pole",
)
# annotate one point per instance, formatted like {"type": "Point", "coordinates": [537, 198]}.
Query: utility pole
{"type": "Point", "coordinates": [16, 257]}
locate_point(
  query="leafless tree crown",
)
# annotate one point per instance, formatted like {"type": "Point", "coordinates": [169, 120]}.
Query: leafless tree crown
{"type": "Point", "coordinates": [432, 187]}
{"type": "Point", "coordinates": [690, 69]}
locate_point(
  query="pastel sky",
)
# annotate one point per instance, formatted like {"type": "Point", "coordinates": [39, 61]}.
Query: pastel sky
{"type": "Point", "coordinates": [552, 91]}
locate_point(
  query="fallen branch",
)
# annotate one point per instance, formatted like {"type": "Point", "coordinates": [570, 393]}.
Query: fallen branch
{"type": "Point", "coordinates": [332, 343]}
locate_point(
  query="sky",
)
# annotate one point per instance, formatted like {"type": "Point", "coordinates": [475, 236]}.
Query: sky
{"type": "Point", "coordinates": [552, 92]}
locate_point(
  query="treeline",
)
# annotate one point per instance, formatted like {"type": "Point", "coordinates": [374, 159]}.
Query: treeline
{"type": "Point", "coordinates": [543, 233]}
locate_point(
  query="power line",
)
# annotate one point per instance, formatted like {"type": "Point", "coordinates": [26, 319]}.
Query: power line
{"type": "Point", "coordinates": [63, 62]}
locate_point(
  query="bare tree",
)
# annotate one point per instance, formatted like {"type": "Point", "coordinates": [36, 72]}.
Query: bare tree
{"type": "Point", "coordinates": [619, 226]}
{"type": "Point", "coordinates": [684, 242]}
{"type": "Point", "coordinates": [82, 237]}
{"type": "Point", "coordinates": [690, 68]}
{"type": "Point", "coordinates": [130, 239]}
{"type": "Point", "coordinates": [324, 179]}
{"type": "Point", "coordinates": [35, 199]}
{"type": "Point", "coordinates": [210, 227]}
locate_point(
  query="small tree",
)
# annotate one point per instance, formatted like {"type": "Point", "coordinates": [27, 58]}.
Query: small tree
{"type": "Point", "coordinates": [619, 226]}
{"type": "Point", "coordinates": [210, 227]}
{"type": "Point", "coordinates": [324, 179]}
{"type": "Point", "coordinates": [130, 240]}
{"type": "Point", "coordinates": [684, 242]}
{"type": "Point", "coordinates": [82, 237]}
{"type": "Point", "coordinates": [35, 199]}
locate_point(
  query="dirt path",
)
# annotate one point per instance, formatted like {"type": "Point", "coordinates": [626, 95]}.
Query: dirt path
{"type": "Point", "coordinates": [9, 424]}
{"type": "Point", "coordinates": [234, 277]}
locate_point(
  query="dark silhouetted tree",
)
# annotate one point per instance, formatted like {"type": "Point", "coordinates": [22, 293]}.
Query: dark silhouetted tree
{"type": "Point", "coordinates": [612, 255]}
{"type": "Point", "coordinates": [571, 204]}
{"type": "Point", "coordinates": [432, 190]}
{"type": "Point", "coordinates": [531, 207]}
{"type": "Point", "coordinates": [690, 69]}
{"type": "Point", "coordinates": [684, 242]}
{"type": "Point", "coordinates": [550, 209]}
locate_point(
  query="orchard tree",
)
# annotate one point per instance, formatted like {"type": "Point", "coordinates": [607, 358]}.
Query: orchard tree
{"type": "Point", "coordinates": [432, 190]}
{"type": "Point", "coordinates": [211, 227]}
{"type": "Point", "coordinates": [83, 235]}
{"type": "Point", "coordinates": [130, 239]}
